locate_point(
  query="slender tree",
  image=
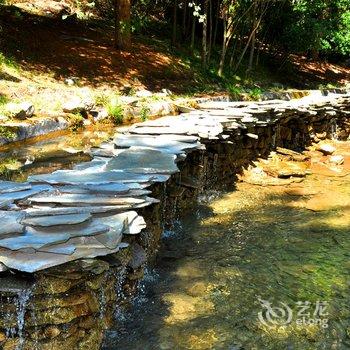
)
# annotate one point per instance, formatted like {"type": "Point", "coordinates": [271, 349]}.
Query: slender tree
{"type": "Point", "coordinates": [122, 17]}
{"type": "Point", "coordinates": [204, 19]}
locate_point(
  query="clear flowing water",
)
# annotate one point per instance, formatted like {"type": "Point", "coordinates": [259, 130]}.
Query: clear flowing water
{"type": "Point", "coordinates": [55, 151]}
{"type": "Point", "coordinates": [258, 268]}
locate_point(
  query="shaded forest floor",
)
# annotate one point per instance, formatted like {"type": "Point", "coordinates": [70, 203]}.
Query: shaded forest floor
{"type": "Point", "coordinates": [39, 54]}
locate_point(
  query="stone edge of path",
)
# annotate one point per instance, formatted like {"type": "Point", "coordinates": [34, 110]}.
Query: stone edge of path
{"type": "Point", "coordinates": [47, 125]}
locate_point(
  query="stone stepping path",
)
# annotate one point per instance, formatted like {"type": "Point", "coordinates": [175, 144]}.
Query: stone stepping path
{"type": "Point", "coordinates": [86, 212]}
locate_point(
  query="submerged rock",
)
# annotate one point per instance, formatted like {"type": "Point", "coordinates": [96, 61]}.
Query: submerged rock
{"type": "Point", "coordinates": [338, 160]}
{"type": "Point", "coordinates": [326, 148]}
{"type": "Point", "coordinates": [293, 155]}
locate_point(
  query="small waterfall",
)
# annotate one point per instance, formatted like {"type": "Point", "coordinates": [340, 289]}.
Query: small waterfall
{"type": "Point", "coordinates": [120, 277]}
{"type": "Point", "coordinates": [102, 297]}
{"type": "Point", "coordinates": [164, 213]}
{"type": "Point", "coordinates": [10, 331]}
{"type": "Point", "coordinates": [21, 307]}
{"type": "Point", "coordinates": [334, 130]}
{"type": "Point", "coordinates": [274, 137]}
{"type": "Point", "coordinates": [215, 170]}
{"type": "Point", "coordinates": [150, 277]}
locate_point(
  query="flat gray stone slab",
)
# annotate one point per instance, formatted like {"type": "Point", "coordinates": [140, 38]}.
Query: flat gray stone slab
{"type": "Point", "coordinates": [9, 187]}
{"type": "Point", "coordinates": [131, 222]}
{"type": "Point", "coordinates": [47, 221]}
{"type": "Point", "coordinates": [37, 261]}
{"type": "Point", "coordinates": [73, 177]}
{"type": "Point", "coordinates": [62, 249]}
{"type": "Point", "coordinates": [200, 126]}
{"type": "Point", "coordinates": [102, 189]}
{"type": "Point", "coordinates": [36, 238]}
{"type": "Point", "coordinates": [6, 198]}
{"type": "Point", "coordinates": [38, 211]}
{"type": "Point", "coordinates": [95, 164]}
{"type": "Point", "coordinates": [84, 199]}
{"type": "Point", "coordinates": [10, 223]}
{"type": "Point", "coordinates": [171, 137]}
{"type": "Point", "coordinates": [162, 143]}
{"type": "Point", "coordinates": [144, 160]}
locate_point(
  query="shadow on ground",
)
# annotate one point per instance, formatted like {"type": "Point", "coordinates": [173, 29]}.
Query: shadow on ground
{"type": "Point", "coordinates": [85, 50]}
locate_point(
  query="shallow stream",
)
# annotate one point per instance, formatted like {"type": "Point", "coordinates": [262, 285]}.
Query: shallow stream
{"type": "Point", "coordinates": [45, 154]}
{"type": "Point", "coordinates": [258, 268]}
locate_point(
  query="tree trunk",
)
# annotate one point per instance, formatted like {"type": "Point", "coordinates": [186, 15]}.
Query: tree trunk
{"type": "Point", "coordinates": [251, 55]}
{"type": "Point", "coordinates": [228, 33]}
{"type": "Point", "coordinates": [252, 45]}
{"type": "Point", "coordinates": [184, 19]}
{"type": "Point", "coordinates": [217, 16]}
{"type": "Point", "coordinates": [205, 34]}
{"type": "Point", "coordinates": [122, 24]}
{"type": "Point", "coordinates": [222, 60]}
{"type": "Point", "coordinates": [173, 41]}
{"type": "Point", "coordinates": [210, 46]}
{"type": "Point", "coordinates": [193, 33]}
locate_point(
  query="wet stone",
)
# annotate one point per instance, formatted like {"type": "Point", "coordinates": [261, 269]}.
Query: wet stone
{"type": "Point", "coordinates": [9, 187]}
{"type": "Point", "coordinates": [144, 161]}
{"type": "Point", "coordinates": [38, 211]}
{"type": "Point", "coordinates": [163, 143]}
{"type": "Point", "coordinates": [10, 223]}
{"type": "Point", "coordinates": [326, 149]}
{"type": "Point", "coordinates": [74, 177]}
{"type": "Point", "coordinates": [85, 199]}
{"type": "Point", "coordinates": [46, 221]}
{"type": "Point", "coordinates": [11, 197]}
{"type": "Point", "coordinates": [36, 238]}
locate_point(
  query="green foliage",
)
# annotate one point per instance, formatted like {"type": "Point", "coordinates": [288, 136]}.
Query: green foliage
{"type": "Point", "coordinates": [315, 26]}
{"type": "Point", "coordinates": [8, 62]}
{"type": "Point", "coordinates": [7, 132]}
{"type": "Point", "coordinates": [8, 167]}
{"type": "Point", "coordinates": [3, 100]}
{"type": "Point", "coordinates": [235, 91]}
{"type": "Point", "coordinates": [115, 111]}
{"type": "Point", "coordinates": [255, 93]}
{"type": "Point", "coordinates": [102, 99]}
{"type": "Point", "coordinates": [144, 114]}
{"type": "Point", "coordinates": [76, 121]}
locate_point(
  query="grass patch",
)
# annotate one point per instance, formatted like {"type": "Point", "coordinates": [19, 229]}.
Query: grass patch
{"type": "Point", "coordinates": [7, 132]}
{"type": "Point", "coordinates": [8, 167]}
{"type": "Point", "coordinates": [115, 111]}
{"type": "Point", "coordinates": [102, 99]}
{"type": "Point", "coordinates": [144, 113]}
{"type": "Point", "coordinates": [4, 100]}
{"type": "Point", "coordinates": [76, 121]}
{"type": "Point", "coordinates": [8, 62]}
{"type": "Point", "coordinates": [255, 93]}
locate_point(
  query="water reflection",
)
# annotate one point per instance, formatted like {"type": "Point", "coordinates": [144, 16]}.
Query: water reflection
{"type": "Point", "coordinates": [59, 150]}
